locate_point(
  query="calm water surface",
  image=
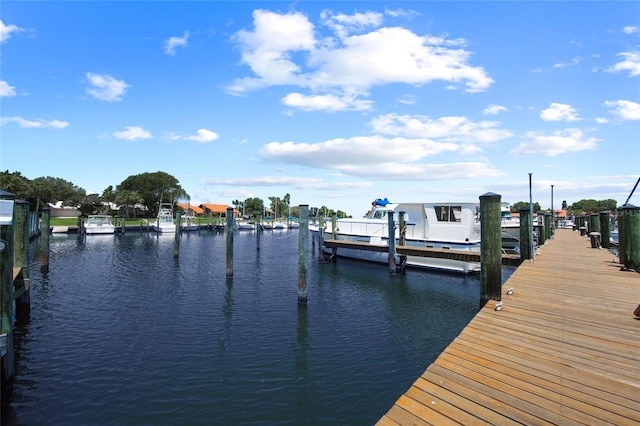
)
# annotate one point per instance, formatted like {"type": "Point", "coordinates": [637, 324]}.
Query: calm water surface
{"type": "Point", "coordinates": [123, 333]}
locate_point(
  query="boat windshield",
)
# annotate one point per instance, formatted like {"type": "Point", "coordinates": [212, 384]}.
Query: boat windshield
{"type": "Point", "coordinates": [378, 214]}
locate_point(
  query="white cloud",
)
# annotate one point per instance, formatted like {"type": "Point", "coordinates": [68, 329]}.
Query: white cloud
{"type": "Point", "coordinates": [362, 150]}
{"type": "Point", "coordinates": [494, 109]}
{"type": "Point", "coordinates": [630, 29]}
{"type": "Point", "coordinates": [38, 123]}
{"type": "Point", "coordinates": [132, 133]}
{"type": "Point", "coordinates": [329, 102]}
{"type": "Point", "coordinates": [559, 112]}
{"type": "Point", "coordinates": [6, 30]}
{"type": "Point", "coordinates": [105, 87]}
{"type": "Point", "coordinates": [298, 182]}
{"type": "Point", "coordinates": [343, 24]}
{"type": "Point", "coordinates": [6, 90]}
{"type": "Point", "coordinates": [283, 49]}
{"type": "Point", "coordinates": [173, 42]}
{"type": "Point", "coordinates": [556, 143]}
{"type": "Point", "coordinates": [630, 63]}
{"type": "Point", "coordinates": [203, 136]}
{"type": "Point", "coordinates": [574, 61]}
{"type": "Point", "coordinates": [627, 110]}
{"type": "Point", "coordinates": [449, 129]}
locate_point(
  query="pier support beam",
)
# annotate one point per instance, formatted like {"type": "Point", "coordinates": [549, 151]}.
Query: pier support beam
{"type": "Point", "coordinates": [229, 232]}
{"type": "Point", "coordinates": [490, 248]}
{"type": "Point", "coordinates": [303, 254]}
{"type": "Point", "coordinates": [629, 237]}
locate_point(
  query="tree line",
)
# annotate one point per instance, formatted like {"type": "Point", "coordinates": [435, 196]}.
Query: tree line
{"type": "Point", "coordinates": [146, 189]}
{"type": "Point", "coordinates": [584, 206]}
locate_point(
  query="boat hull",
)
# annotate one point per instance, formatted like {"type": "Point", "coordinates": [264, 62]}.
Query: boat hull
{"type": "Point", "coordinates": [448, 265]}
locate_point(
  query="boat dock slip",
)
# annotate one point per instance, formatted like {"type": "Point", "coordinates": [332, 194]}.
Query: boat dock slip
{"type": "Point", "coordinates": [563, 348]}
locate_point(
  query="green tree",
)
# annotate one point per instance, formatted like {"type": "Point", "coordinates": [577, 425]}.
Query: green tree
{"type": "Point", "coordinates": [16, 184]}
{"type": "Point", "coordinates": [92, 204]}
{"type": "Point", "coordinates": [127, 201]}
{"type": "Point", "coordinates": [593, 206]}
{"type": "Point", "coordinates": [253, 207]}
{"type": "Point", "coordinates": [515, 207]}
{"type": "Point", "coordinates": [153, 188]}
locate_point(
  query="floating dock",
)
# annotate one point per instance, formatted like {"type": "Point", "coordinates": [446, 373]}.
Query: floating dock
{"type": "Point", "coordinates": [563, 348]}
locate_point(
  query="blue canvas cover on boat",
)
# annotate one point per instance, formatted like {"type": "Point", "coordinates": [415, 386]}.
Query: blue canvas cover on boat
{"type": "Point", "coordinates": [381, 202]}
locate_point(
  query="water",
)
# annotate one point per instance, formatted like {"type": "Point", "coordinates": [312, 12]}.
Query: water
{"type": "Point", "coordinates": [123, 333]}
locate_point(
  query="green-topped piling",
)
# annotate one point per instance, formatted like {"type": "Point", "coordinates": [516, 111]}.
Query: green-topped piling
{"type": "Point", "coordinates": [490, 248]}
{"type": "Point", "coordinates": [605, 229]}
{"type": "Point", "coordinates": [629, 237]}
{"type": "Point", "coordinates": [526, 251]}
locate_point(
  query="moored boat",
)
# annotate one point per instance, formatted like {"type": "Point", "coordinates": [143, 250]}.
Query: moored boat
{"type": "Point", "coordinates": [99, 224]}
{"type": "Point", "coordinates": [164, 220]}
{"type": "Point", "coordinates": [446, 225]}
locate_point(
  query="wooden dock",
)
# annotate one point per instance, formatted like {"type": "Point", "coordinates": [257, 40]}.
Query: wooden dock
{"type": "Point", "coordinates": [461, 255]}
{"type": "Point", "coordinates": [563, 349]}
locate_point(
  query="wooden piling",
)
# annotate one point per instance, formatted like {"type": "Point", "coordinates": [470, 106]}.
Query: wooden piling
{"type": "Point", "coordinates": [303, 255]}
{"type": "Point", "coordinates": [547, 226]}
{"type": "Point", "coordinates": [490, 248]}
{"type": "Point", "coordinates": [594, 222]}
{"type": "Point", "coordinates": [392, 243]}
{"type": "Point", "coordinates": [605, 230]}
{"type": "Point", "coordinates": [45, 232]}
{"type": "Point", "coordinates": [402, 240]}
{"type": "Point", "coordinates": [629, 237]}
{"type": "Point", "coordinates": [176, 238]}
{"type": "Point", "coordinates": [334, 235]}
{"type": "Point", "coordinates": [525, 234]}
{"type": "Point", "coordinates": [229, 232]}
{"type": "Point", "coordinates": [6, 293]}
{"type": "Point", "coordinates": [258, 232]}
{"type": "Point", "coordinates": [20, 260]}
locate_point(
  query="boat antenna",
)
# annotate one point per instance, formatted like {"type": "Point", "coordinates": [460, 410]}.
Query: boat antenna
{"type": "Point", "coordinates": [632, 191]}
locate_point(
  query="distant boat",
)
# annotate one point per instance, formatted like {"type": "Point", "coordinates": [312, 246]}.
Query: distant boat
{"type": "Point", "coordinates": [454, 226]}
{"type": "Point", "coordinates": [99, 224]}
{"type": "Point", "coordinates": [164, 221]}
{"type": "Point", "coordinates": [189, 222]}
{"type": "Point", "coordinates": [245, 226]}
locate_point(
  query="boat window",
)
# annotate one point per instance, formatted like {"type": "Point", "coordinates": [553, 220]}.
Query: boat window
{"type": "Point", "coordinates": [456, 214]}
{"type": "Point", "coordinates": [379, 214]}
{"type": "Point", "coordinates": [448, 213]}
{"type": "Point", "coordinates": [442, 213]}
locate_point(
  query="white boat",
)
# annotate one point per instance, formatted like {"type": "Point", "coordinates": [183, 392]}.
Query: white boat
{"type": "Point", "coordinates": [244, 226]}
{"type": "Point", "coordinates": [164, 221]}
{"type": "Point", "coordinates": [454, 226]}
{"type": "Point", "coordinates": [99, 224]}
{"type": "Point", "coordinates": [510, 227]}
{"type": "Point", "coordinates": [189, 222]}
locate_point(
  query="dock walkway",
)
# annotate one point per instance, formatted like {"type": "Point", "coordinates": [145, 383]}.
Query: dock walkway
{"type": "Point", "coordinates": [563, 349]}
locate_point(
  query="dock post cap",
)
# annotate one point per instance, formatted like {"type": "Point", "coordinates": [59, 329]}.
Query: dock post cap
{"type": "Point", "coordinates": [491, 195]}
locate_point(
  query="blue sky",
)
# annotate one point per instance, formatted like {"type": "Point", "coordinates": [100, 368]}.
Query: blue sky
{"type": "Point", "coordinates": [335, 103]}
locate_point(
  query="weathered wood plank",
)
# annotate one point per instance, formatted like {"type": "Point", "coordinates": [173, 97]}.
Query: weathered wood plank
{"type": "Point", "coordinates": [564, 348]}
